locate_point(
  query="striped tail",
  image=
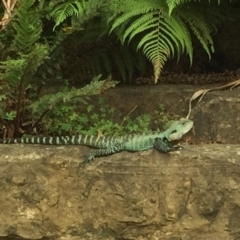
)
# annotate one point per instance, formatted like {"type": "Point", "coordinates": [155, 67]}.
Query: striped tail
{"type": "Point", "coordinates": [92, 141]}
{"type": "Point", "coordinates": [43, 140]}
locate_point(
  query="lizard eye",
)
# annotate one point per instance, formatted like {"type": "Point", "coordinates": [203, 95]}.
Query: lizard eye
{"type": "Point", "coordinates": [174, 131]}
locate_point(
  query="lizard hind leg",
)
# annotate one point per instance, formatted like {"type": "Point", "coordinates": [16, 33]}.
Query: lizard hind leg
{"type": "Point", "coordinates": [118, 147]}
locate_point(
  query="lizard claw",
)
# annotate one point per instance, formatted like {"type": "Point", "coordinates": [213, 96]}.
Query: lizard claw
{"type": "Point", "coordinates": [177, 147]}
{"type": "Point", "coordinates": [87, 159]}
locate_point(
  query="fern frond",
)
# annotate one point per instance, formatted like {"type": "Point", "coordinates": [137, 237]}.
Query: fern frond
{"type": "Point", "coordinates": [202, 20]}
{"type": "Point", "coordinates": [68, 9]}
{"type": "Point", "coordinates": [113, 58]}
{"type": "Point", "coordinates": [163, 26]}
{"type": "Point", "coordinates": [163, 35]}
{"type": "Point", "coordinates": [181, 32]}
{"type": "Point", "coordinates": [13, 71]}
{"type": "Point", "coordinates": [141, 24]}
{"type": "Point", "coordinates": [174, 3]}
{"type": "Point", "coordinates": [156, 50]}
{"type": "Point", "coordinates": [28, 29]}
{"type": "Point", "coordinates": [49, 101]}
{"type": "Point", "coordinates": [79, 11]}
{"type": "Point", "coordinates": [36, 58]}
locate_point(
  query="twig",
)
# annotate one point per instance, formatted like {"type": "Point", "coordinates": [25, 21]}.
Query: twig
{"type": "Point", "coordinates": [124, 119]}
{"type": "Point", "coordinates": [9, 5]}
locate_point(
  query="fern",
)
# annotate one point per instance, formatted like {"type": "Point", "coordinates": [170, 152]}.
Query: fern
{"type": "Point", "coordinates": [25, 55]}
{"type": "Point", "coordinates": [28, 29]}
{"type": "Point", "coordinates": [25, 67]}
{"type": "Point", "coordinates": [49, 101]}
{"type": "Point", "coordinates": [66, 9]}
{"type": "Point", "coordinates": [79, 11]}
{"type": "Point", "coordinates": [164, 27]}
{"type": "Point", "coordinates": [174, 3]}
{"type": "Point", "coordinates": [202, 20]}
{"type": "Point", "coordinates": [105, 55]}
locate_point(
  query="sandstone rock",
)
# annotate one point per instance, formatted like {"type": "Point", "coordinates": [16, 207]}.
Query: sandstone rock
{"type": "Point", "coordinates": [190, 194]}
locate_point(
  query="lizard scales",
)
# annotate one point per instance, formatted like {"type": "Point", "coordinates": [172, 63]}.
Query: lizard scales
{"type": "Point", "coordinates": [107, 145]}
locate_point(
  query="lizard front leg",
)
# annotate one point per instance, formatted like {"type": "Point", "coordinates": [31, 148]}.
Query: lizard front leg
{"type": "Point", "coordinates": [164, 146]}
{"type": "Point", "coordinates": [118, 147]}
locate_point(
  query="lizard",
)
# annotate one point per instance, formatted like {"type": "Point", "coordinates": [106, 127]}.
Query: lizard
{"type": "Point", "coordinates": [107, 145]}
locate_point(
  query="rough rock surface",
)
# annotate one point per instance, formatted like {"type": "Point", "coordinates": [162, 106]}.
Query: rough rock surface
{"type": "Point", "coordinates": [216, 117]}
{"type": "Point", "coordinates": [192, 194]}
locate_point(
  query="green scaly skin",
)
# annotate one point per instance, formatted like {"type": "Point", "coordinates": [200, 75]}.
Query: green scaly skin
{"type": "Point", "coordinates": [110, 145]}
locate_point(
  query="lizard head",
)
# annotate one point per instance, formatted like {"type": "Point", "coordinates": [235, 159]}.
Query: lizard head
{"type": "Point", "coordinates": [178, 128]}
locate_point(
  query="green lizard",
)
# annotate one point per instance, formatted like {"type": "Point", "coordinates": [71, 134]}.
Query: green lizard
{"type": "Point", "coordinates": [110, 145]}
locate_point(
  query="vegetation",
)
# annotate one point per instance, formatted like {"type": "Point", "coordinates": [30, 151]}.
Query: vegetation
{"type": "Point", "coordinates": [24, 67]}
{"type": "Point", "coordinates": [158, 29]}
{"type": "Point", "coordinates": [52, 39]}
{"type": "Point", "coordinates": [95, 119]}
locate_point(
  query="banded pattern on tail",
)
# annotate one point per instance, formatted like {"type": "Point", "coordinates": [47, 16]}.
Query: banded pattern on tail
{"type": "Point", "coordinates": [92, 141]}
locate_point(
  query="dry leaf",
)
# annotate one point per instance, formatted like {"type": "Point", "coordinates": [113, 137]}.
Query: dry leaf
{"type": "Point", "coordinates": [202, 92]}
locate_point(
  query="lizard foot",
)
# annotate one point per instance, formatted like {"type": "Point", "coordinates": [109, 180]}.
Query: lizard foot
{"type": "Point", "coordinates": [163, 146]}
{"type": "Point", "coordinates": [88, 158]}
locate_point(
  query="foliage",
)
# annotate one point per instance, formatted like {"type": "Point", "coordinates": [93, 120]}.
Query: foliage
{"type": "Point", "coordinates": [23, 57]}
{"type": "Point", "coordinates": [79, 10]}
{"type": "Point", "coordinates": [101, 36]}
{"type": "Point", "coordinates": [161, 29]}
{"type": "Point", "coordinates": [27, 30]}
{"type": "Point", "coordinates": [90, 120]}
{"type": "Point", "coordinates": [58, 104]}
{"type": "Point", "coordinates": [164, 27]}
{"type": "Point", "coordinates": [25, 54]}
{"type": "Point", "coordinates": [161, 118]}
{"type": "Point", "coordinates": [99, 118]}
{"type": "Point", "coordinates": [106, 55]}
